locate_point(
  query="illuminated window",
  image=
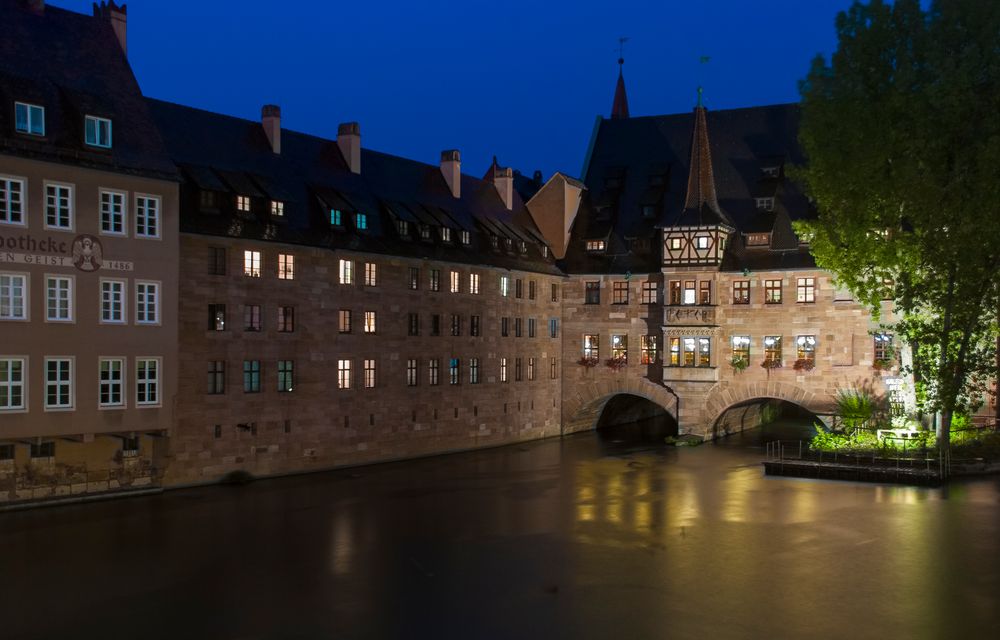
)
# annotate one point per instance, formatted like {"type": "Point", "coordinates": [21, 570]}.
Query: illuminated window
{"type": "Point", "coordinates": [445, 234]}
{"type": "Point", "coordinates": [595, 245]}
{"type": "Point", "coordinates": [435, 280]}
{"type": "Point", "coordinates": [344, 320]}
{"type": "Point", "coordinates": [701, 242]}
{"type": "Point", "coordinates": [675, 352]}
{"type": "Point", "coordinates": [647, 349]}
{"type": "Point", "coordinates": [503, 369]}
{"type": "Point", "coordinates": [336, 217]}
{"type": "Point", "coordinates": [473, 370]}
{"type": "Point", "coordinates": [619, 293]}
{"type": "Point", "coordinates": [251, 264]}
{"type": "Point", "coordinates": [97, 132]}
{"type": "Point", "coordinates": [504, 286]}
{"type": "Point", "coordinates": [371, 274]}
{"type": "Point", "coordinates": [369, 374]}
{"type": "Point", "coordinates": [765, 204]}
{"type": "Point", "coordinates": [675, 244]}
{"type": "Point", "coordinates": [805, 290]}
{"type": "Point", "coordinates": [433, 369]}
{"type": "Point", "coordinates": [286, 375]}
{"type": "Point", "coordinates": [411, 372]}
{"type": "Point", "coordinates": [474, 283]}
{"type": "Point", "coordinates": [591, 346]}
{"type": "Point", "coordinates": [454, 371]}
{"type": "Point", "coordinates": [741, 349]}
{"type": "Point", "coordinates": [805, 348]}
{"type": "Point", "coordinates": [619, 347]}
{"type": "Point", "coordinates": [466, 237]}
{"type": "Point", "coordinates": [343, 374]}
{"type": "Point", "coordinates": [456, 282]}
{"type": "Point", "coordinates": [251, 376]}
{"type": "Point", "coordinates": [414, 278]}
{"type": "Point", "coordinates": [277, 209]}
{"type": "Point", "coordinates": [705, 292]}
{"type": "Point", "coordinates": [772, 349]}
{"type": "Point", "coordinates": [29, 118]}
{"type": "Point", "coordinates": [741, 292]}
{"type": "Point", "coordinates": [286, 266]}
{"type": "Point", "coordinates": [216, 317]}
{"type": "Point", "coordinates": [649, 293]}
{"type": "Point", "coordinates": [772, 291]}
{"type": "Point", "coordinates": [402, 228]}
{"type": "Point", "coordinates": [531, 369]}
{"type": "Point", "coordinates": [361, 221]}
{"type": "Point", "coordinates": [690, 294]}
{"type": "Point", "coordinates": [243, 203]}
{"type": "Point", "coordinates": [346, 272]}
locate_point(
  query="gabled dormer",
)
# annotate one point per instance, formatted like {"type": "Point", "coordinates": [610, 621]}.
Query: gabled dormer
{"type": "Point", "coordinates": [699, 233]}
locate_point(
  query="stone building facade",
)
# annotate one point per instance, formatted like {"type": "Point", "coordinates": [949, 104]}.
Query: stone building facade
{"type": "Point", "coordinates": [88, 262]}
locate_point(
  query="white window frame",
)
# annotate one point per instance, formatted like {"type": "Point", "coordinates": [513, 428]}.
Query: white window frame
{"type": "Point", "coordinates": [446, 234]}
{"type": "Point", "coordinates": [123, 315]}
{"type": "Point", "coordinates": [504, 286]}
{"type": "Point", "coordinates": [702, 242]}
{"type": "Point", "coordinates": [70, 298]}
{"type": "Point", "coordinates": [456, 280]}
{"type": "Point", "coordinates": [122, 387]}
{"type": "Point", "coordinates": [371, 274]}
{"type": "Point", "coordinates": [252, 263]}
{"type": "Point", "coordinates": [140, 305]}
{"type": "Point", "coordinates": [29, 107]}
{"type": "Point", "coordinates": [72, 383]}
{"type": "Point", "coordinates": [5, 214]}
{"type": "Point", "coordinates": [97, 120]}
{"type": "Point", "coordinates": [123, 211]}
{"type": "Point", "coordinates": [25, 297]}
{"type": "Point", "coordinates": [22, 384]}
{"type": "Point", "coordinates": [243, 203]}
{"type": "Point", "coordinates": [277, 208]}
{"type": "Point", "coordinates": [346, 272]}
{"type": "Point", "coordinates": [344, 374]}
{"type": "Point", "coordinates": [155, 381]}
{"type": "Point", "coordinates": [142, 215]}
{"type": "Point", "coordinates": [70, 206]}
{"type": "Point", "coordinates": [474, 283]}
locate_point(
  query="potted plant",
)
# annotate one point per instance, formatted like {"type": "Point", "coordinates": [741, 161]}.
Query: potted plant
{"type": "Point", "coordinates": [804, 364]}
{"type": "Point", "coordinates": [770, 364]}
{"type": "Point", "coordinates": [739, 364]}
{"type": "Point", "coordinates": [882, 364]}
{"type": "Point", "coordinates": [587, 362]}
{"type": "Point", "coordinates": [617, 363]}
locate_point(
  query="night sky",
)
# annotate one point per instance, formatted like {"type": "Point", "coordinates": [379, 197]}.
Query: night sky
{"type": "Point", "coordinates": [522, 80]}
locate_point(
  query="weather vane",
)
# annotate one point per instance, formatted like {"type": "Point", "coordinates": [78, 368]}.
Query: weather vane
{"type": "Point", "coordinates": [621, 49]}
{"type": "Point", "coordinates": [701, 60]}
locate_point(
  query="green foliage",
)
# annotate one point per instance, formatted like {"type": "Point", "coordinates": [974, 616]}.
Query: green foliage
{"type": "Point", "coordinates": [901, 128]}
{"type": "Point", "coordinates": [739, 363]}
{"type": "Point", "coordinates": [856, 407]}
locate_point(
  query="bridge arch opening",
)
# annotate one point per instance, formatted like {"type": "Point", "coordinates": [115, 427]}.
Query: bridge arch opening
{"type": "Point", "coordinates": [771, 418]}
{"type": "Point", "coordinates": [633, 419]}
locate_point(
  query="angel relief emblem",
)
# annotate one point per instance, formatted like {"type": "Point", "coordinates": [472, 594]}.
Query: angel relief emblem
{"type": "Point", "coordinates": [88, 255]}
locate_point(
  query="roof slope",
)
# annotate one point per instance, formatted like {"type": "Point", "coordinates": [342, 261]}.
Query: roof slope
{"type": "Point", "coordinates": [72, 65]}
{"type": "Point", "coordinates": [626, 202]}
{"type": "Point", "coordinates": [232, 155]}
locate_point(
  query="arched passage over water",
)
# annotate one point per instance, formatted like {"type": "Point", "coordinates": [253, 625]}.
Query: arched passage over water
{"type": "Point", "coordinates": [633, 419]}
{"type": "Point", "coordinates": [774, 418]}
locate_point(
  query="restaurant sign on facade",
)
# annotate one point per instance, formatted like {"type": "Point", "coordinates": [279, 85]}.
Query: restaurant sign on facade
{"type": "Point", "coordinates": [85, 252]}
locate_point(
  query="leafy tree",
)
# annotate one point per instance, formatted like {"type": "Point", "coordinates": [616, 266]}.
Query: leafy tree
{"type": "Point", "coordinates": [901, 130]}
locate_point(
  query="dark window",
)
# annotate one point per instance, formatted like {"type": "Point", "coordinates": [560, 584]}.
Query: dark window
{"type": "Point", "coordinates": [251, 317]}
{"type": "Point", "coordinates": [217, 431]}
{"type": "Point", "coordinates": [6, 452]}
{"type": "Point", "coordinates": [619, 293]}
{"type": "Point", "coordinates": [675, 292]}
{"type": "Point", "coordinates": [555, 292]}
{"type": "Point", "coordinates": [286, 319]}
{"type": "Point", "coordinates": [216, 317]}
{"type": "Point", "coordinates": [593, 293]}
{"type": "Point", "coordinates": [414, 281]}
{"type": "Point", "coordinates": [286, 375]}
{"type": "Point", "coordinates": [705, 292]}
{"type": "Point", "coordinates": [456, 324]}
{"type": "Point", "coordinates": [413, 324]}
{"type": "Point", "coordinates": [436, 324]}
{"type": "Point", "coordinates": [251, 376]}
{"type": "Point", "coordinates": [435, 281]}
{"type": "Point", "coordinates": [216, 261]}
{"type": "Point", "coordinates": [517, 369]}
{"type": "Point", "coordinates": [517, 327]}
{"type": "Point", "coordinates": [518, 288]}
{"type": "Point", "coordinates": [433, 368]}
{"type": "Point", "coordinates": [504, 327]}
{"type": "Point", "coordinates": [531, 289]}
{"type": "Point", "coordinates": [216, 377]}
{"type": "Point", "coordinates": [552, 369]}
{"type": "Point", "coordinates": [772, 291]}
{"type": "Point", "coordinates": [43, 450]}
{"type": "Point", "coordinates": [474, 326]}
{"type": "Point", "coordinates": [454, 371]}
{"type": "Point", "coordinates": [553, 327]}
{"type": "Point", "coordinates": [649, 291]}
{"type": "Point", "coordinates": [531, 327]}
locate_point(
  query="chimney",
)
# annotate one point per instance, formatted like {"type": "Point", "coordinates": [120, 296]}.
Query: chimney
{"type": "Point", "coordinates": [349, 141]}
{"type": "Point", "coordinates": [451, 169]}
{"type": "Point", "coordinates": [270, 119]}
{"type": "Point", "coordinates": [503, 180]}
{"type": "Point", "coordinates": [35, 6]}
{"type": "Point", "coordinates": [114, 14]}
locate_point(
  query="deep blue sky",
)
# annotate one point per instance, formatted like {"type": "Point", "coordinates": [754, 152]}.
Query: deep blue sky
{"type": "Point", "coordinates": [522, 80]}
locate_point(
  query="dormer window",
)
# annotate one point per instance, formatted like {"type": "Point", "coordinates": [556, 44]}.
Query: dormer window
{"type": "Point", "coordinates": [402, 227]}
{"type": "Point", "coordinates": [445, 234]}
{"type": "Point", "coordinates": [97, 132]}
{"type": "Point", "coordinates": [522, 246]}
{"type": "Point", "coordinates": [29, 118]}
{"type": "Point", "coordinates": [425, 232]}
{"type": "Point", "coordinates": [545, 251]}
{"type": "Point", "coordinates": [509, 243]}
{"type": "Point", "coordinates": [758, 239]}
{"type": "Point", "coordinates": [277, 209]}
{"type": "Point", "coordinates": [361, 221]}
{"type": "Point", "coordinates": [595, 245]}
{"type": "Point", "coordinates": [701, 242]}
{"type": "Point", "coordinates": [466, 237]}
{"type": "Point", "coordinates": [243, 203]}
{"type": "Point", "coordinates": [770, 171]}
{"type": "Point", "coordinates": [765, 204]}
{"type": "Point", "coordinates": [336, 217]}
{"type": "Point", "coordinates": [495, 242]}
{"type": "Point", "coordinates": [206, 200]}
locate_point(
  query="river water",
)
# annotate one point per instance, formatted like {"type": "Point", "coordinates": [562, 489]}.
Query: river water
{"type": "Point", "coordinates": [591, 536]}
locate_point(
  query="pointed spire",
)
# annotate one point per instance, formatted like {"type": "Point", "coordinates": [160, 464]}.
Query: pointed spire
{"type": "Point", "coordinates": [619, 108]}
{"type": "Point", "coordinates": [701, 179]}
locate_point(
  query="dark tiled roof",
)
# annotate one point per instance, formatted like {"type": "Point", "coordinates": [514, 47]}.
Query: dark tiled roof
{"type": "Point", "coordinates": [310, 176]}
{"type": "Point", "coordinates": [72, 65]}
{"type": "Point", "coordinates": [628, 151]}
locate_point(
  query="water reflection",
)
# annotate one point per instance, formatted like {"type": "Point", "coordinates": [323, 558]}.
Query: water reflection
{"type": "Point", "coordinates": [594, 536]}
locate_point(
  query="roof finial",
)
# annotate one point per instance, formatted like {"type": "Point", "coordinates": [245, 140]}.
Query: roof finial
{"type": "Point", "coordinates": [701, 90]}
{"type": "Point", "coordinates": [702, 60]}
{"type": "Point", "coordinates": [619, 107]}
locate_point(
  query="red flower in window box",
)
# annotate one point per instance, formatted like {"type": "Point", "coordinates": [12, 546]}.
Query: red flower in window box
{"type": "Point", "coordinates": [587, 362]}
{"type": "Point", "coordinates": [616, 364]}
{"type": "Point", "coordinates": [804, 364]}
{"type": "Point", "coordinates": [771, 364]}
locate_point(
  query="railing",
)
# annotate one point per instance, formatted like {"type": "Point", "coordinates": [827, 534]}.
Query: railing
{"type": "Point", "coordinates": [927, 460]}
